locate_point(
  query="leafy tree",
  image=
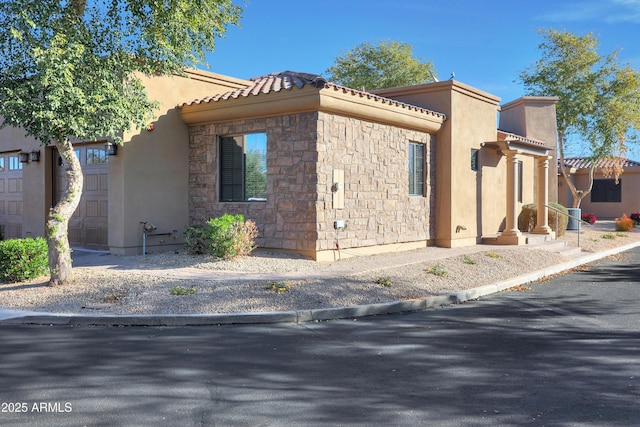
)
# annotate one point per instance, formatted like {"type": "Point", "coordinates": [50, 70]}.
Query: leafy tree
{"type": "Point", "coordinates": [69, 70]}
{"type": "Point", "coordinates": [599, 100]}
{"type": "Point", "coordinates": [388, 64]}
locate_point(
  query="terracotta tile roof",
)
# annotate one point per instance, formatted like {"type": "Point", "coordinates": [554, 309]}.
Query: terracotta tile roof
{"type": "Point", "coordinates": [287, 80]}
{"type": "Point", "coordinates": [513, 137]}
{"type": "Point", "coordinates": [585, 163]}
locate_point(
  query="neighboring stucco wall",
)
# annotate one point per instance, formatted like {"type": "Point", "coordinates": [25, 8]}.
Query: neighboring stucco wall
{"type": "Point", "coordinates": [630, 179]}
{"type": "Point", "coordinates": [377, 207]}
{"type": "Point", "coordinates": [535, 117]}
{"type": "Point", "coordinates": [149, 178]}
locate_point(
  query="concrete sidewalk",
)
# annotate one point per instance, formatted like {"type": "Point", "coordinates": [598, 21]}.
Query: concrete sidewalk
{"type": "Point", "coordinates": [93, 259]}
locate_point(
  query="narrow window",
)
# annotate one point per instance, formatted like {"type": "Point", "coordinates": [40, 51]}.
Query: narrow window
{"type": "Point", "coordinates": [606, 191]}
{"type": "Point", "coordinates": [1, 163]}
{"type": "Point", "coordinates": [520, 174]}
{"type": "Point", "coordinates": [243, 168]}
{"type": "Point", "coordinates": [14, 163]}
{"type": "Point", "coordinates": [474, 159]}
{"type": "Point", "coordinates": [416, 169]}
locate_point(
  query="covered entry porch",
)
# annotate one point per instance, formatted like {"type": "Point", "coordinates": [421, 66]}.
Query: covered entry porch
{"type": "Point", "coordinates": [514, 147]}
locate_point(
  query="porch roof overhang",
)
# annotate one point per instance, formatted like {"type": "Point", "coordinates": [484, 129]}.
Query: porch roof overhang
{"type": "Point", "coordinates": [509, 142]}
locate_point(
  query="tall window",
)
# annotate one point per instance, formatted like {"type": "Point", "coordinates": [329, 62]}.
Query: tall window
{"type": "Point", "coordinates": [520, 175]}
{"type": "Point", "coordinates": [474, 159]}
{"type": "Point", "coordinates": [606, 191]}
{"type": "Point", "coordinates": [416, 169]}
{"type": "Point", "coordinates": [1, 163]}
{"type": "Point", "coordinates": [243, 168]}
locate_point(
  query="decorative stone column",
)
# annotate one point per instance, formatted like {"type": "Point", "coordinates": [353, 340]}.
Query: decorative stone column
{"type": "Point", "coordinates": [542, 221]}
{"type": "Point", "coordinates": [511, 235]}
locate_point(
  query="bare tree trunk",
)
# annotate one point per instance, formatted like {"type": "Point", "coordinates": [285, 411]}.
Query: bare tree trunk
{"type": "Point", "coordinates": [58, 220]}
{"type": "Point", "coordinates": [576, 194]}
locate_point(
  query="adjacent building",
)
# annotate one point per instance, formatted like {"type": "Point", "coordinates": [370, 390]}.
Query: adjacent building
{"type": "Point", "coordinates": [322, 169]}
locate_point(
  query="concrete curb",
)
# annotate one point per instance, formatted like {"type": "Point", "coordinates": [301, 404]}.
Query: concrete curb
{"type": "Point", "coordinates": [13, 317]}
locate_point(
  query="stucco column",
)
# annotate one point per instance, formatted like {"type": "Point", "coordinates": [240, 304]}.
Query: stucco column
{"type": "Point", "coordinates": [542, 222]}
{"type": "Point", "coordinates": [511, 227]}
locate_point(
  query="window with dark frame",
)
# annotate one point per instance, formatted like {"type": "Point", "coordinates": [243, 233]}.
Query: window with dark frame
{"type": "Point", "coordinates": [606, 191]}
{"type": "Point", "coordinates": [474, 159]}
{"type": "Point", "coordinates": [243, 168]}
{"type": "Point", "coordinates": [520, 174]}
{"type": "Point", "coordinates": [416, 169]}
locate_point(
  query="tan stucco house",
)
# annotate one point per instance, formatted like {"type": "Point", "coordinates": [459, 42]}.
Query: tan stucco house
{"type": "Point", "coordinates": [322, 169]}
{"type": "Point", "coordinates": [609, 198]}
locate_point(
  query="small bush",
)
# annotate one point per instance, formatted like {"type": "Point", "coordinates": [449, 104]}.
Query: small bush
{"type": "Point", "coordinates": [468, 260]}
{"type": "Point", "coordinates": [589, 218]}
{"type": "Point", "coordinates": [384, 281]}
{"type": "Point", "coordinates": [634, 216]}
{"type": "Point", "coordinates": [23, 259]}
{"type": "Point", "coordinates": [437, 270]}
{"type": "Point", "coordinates": [608, 236]}
{"type": "Point", "coordinates": [179, 290]}
{"type": "Point", "coordinates": [227, 236]}
{"type": "Point", "coordinates": [494, 255]}
{"type": "Point", "coordinates": [624, 224]}
{"type": "Point", "coordinates": [196, 240]}
{"type": "Point", "coordinates": [277, 287]}
{"type": "Point", "coordinates": [529, 214]}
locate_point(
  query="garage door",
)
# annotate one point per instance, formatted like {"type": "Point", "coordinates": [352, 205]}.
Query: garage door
{"type": "Point", "coordinates": [11, 195]}
{"type": "Point", "coordinates": [88, 227]}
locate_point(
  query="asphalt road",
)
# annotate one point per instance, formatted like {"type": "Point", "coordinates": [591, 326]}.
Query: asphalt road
{"type": "Point", "coordinates": [564, 353]}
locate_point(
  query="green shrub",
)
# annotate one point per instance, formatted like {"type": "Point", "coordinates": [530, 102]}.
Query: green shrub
{"type": "Point", "coordinates": [196, 240]}
{"type": "Point", "coordinates": [23, 259]}
{"type": "Point", "coordinates": [227, 236]}
{"type": "Point", "coordinates": [179, 290]}
{"type": "Point", "coordinates": [529, 214]}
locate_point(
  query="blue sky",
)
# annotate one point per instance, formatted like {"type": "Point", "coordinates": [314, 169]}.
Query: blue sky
{"type": "Point", "coordinates": [485, 42]}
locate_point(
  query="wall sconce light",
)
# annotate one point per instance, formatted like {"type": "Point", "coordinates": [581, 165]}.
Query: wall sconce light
{"type": "Point", "coordinates": [111, 148]}
{"type": "Point", "coordinates": [35, 156]}
{"type": "Point", "coordinates": [23, 156]}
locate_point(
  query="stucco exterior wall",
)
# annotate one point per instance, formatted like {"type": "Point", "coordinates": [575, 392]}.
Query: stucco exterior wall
{"type": "Point", "coordinates": [469, 204]}
{"type": "Point", "coordinates": [535, 117]}
{"type": "Point", "coordinates": [149, 177]}
{"type": "Point", "coordinates": [630, 196]}
{"type": "Point", "coordinates": [36, 200]}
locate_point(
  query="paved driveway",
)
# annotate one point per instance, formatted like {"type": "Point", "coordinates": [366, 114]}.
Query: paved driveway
{"type": "Point", "coordinates": [564, 353]}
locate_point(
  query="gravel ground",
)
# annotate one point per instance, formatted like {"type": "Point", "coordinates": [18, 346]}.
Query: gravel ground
{"type": "Point", "coordinates": [142, 289]}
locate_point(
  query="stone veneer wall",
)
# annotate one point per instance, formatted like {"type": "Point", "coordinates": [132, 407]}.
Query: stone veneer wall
{"type": "Point", "coordinates": [378, 209]}
{"type": "Point", "coordinates": [302, 152]}
{"type": "Point", "coordinates": [287, 220]}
